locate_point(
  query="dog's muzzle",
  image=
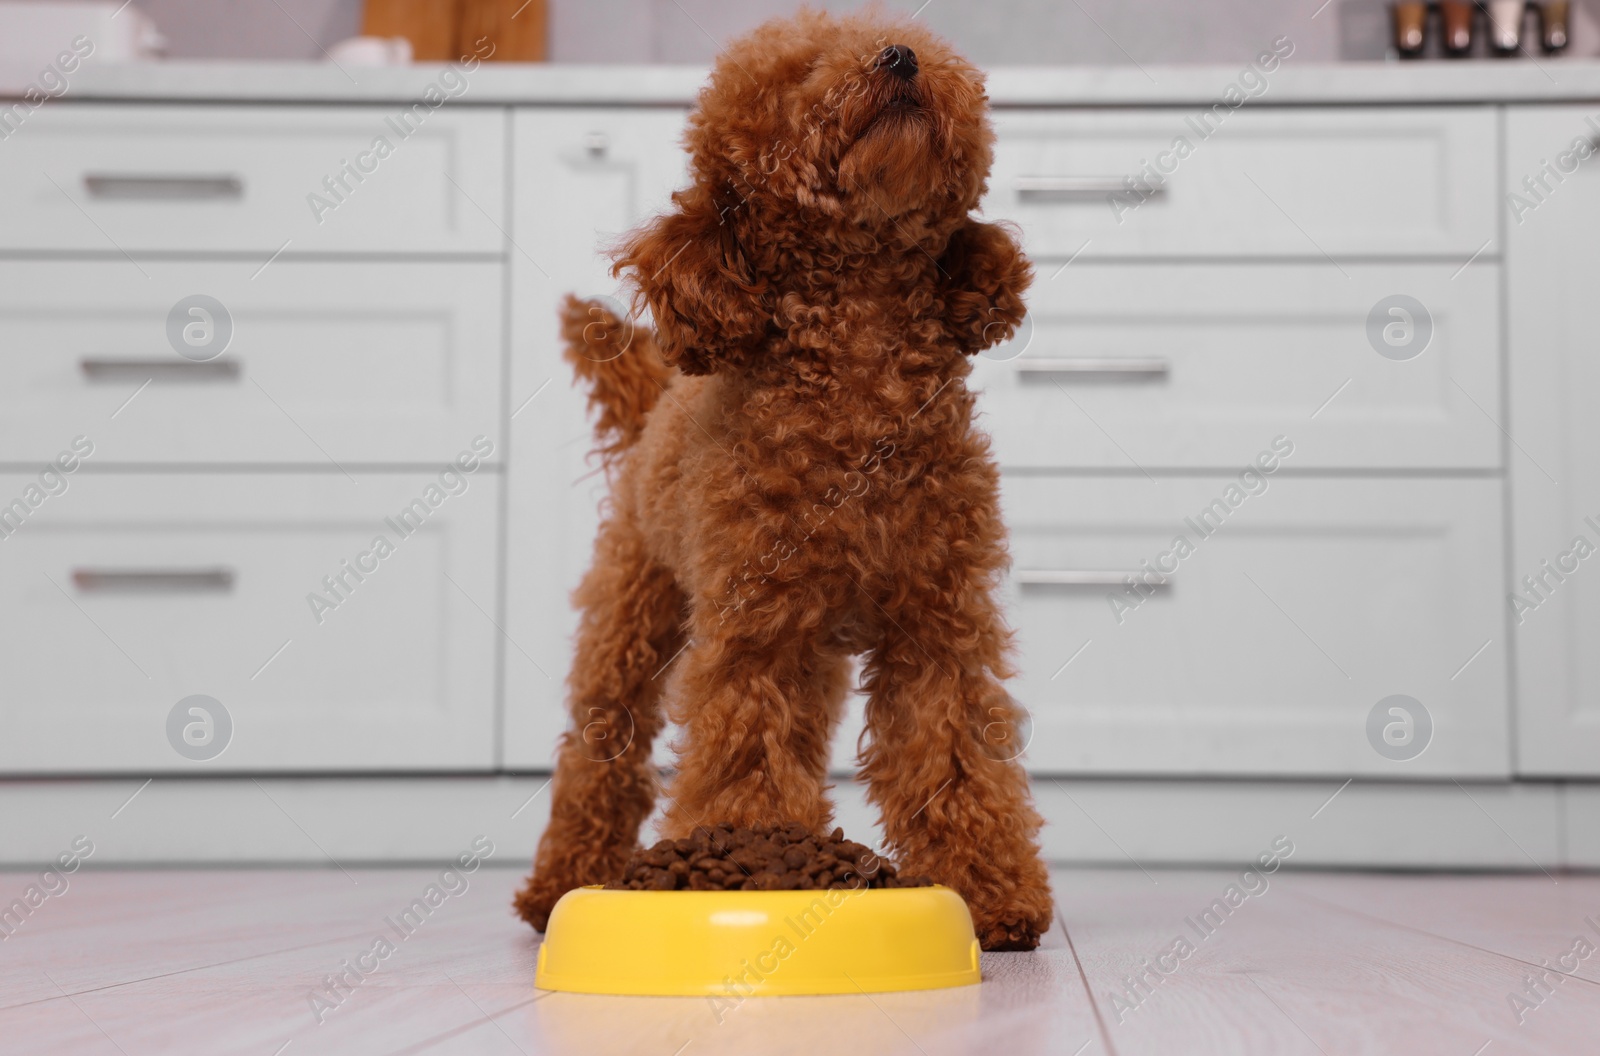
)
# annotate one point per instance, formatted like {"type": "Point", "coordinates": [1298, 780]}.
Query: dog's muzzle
{"type": "Point", "coordinates": [899, 60]}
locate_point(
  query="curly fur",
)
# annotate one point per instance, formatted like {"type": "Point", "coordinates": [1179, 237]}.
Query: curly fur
{"type": "Point", "coordinates": [808, 484]}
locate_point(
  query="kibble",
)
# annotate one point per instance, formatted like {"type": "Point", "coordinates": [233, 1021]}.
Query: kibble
{"type": "Point", "coordinates": [759, 858]}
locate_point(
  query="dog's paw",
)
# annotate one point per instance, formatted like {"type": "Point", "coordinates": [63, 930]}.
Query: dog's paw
{"type": "Point", "coordinates": [537, 898]}
{"type": "Point", "coordinates": [1008, 935]}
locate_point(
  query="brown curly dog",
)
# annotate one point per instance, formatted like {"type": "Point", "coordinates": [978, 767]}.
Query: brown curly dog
{"type": "Point", "coordinates": [808, 483]}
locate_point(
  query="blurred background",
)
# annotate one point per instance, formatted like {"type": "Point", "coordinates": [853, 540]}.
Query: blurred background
{"type": "Point", "coordinates": [278, 280]}
{"type": "Point", "coordinates": [1093, 33]}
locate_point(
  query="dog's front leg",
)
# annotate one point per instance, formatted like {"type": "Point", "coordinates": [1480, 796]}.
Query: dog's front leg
{"type": "Point", "coordinates": [941, 765]}
{"type": "Point", "coordinates": [758, 712]}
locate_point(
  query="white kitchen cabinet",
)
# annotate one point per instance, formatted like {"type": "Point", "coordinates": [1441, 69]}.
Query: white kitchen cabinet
{"type": "Point", "coordinates": [585, 176]}
{"type": "Point", "coordinates": [1250, 351]}
{"type": "Point", "coordinates": [365, 352]}
{"type": "Point", "coordinates": [1265, 649]}
{"type": "Point", "coordinates": [1554, 439]}
{"type": "Point", "coordinates": [129, 592]}
{"type": "Point", "coordinates": [377, 343]}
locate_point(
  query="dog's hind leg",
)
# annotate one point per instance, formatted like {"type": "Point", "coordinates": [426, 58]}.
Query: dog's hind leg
{"type": "Point", "coordinates": [605, 783]}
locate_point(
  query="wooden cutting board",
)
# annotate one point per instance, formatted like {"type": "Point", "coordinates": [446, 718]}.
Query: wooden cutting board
{"type": "Point", "coordinates": [517, 28]}
{"type": "Point", "coordinates": [447, 30]}
{"type": "Point", "coordinates": [430, 25]}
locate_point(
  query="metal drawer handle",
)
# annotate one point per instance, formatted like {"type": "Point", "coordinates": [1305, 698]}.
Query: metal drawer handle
{"type": "Point", "coordinates": [159, 369]}
{"type": "Point", "coordinates": [1080, 188]}
{"type": "Point", "coordinates": [150, 188]}
{"type": "Point", "coordinates": [1086, 579]}
{"type": "Point", "coordinates": [153, 580]}
{"type": "Point", "coordinates": [1146, 366]}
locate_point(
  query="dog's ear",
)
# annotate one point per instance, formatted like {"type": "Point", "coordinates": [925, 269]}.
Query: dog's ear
{"type": "Point", "coordinates": [689, 268]}
{"type": "Point", "coordinates": [984, 275]}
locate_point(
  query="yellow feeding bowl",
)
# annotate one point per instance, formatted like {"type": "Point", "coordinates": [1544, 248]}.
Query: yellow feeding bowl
{"type": "Point", "coordinates": [739, 944]}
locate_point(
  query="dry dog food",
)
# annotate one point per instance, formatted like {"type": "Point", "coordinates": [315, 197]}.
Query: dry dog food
{"type": "Point", "coordinates": [760, 858]}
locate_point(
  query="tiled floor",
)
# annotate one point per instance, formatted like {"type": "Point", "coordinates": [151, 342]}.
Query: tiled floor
{"type": "Point", "coordinates": [162, 962]}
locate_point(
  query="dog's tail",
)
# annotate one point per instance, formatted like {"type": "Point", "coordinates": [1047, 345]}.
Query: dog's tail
{"type": "Point", "coordinates": [622, 366]}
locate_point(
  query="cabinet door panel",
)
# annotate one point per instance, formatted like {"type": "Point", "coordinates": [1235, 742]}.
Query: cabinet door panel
{"type": "Point", "coordinates": [584, 177]}
{"type": "Point", "coordinates": [1553, 263]}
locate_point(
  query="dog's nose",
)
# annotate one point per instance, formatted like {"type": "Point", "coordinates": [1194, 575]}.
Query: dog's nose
{"type": "Point", "coordinates": [899, 60]}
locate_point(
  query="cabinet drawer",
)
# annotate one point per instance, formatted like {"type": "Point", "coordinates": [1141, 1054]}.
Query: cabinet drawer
{"type": "Point", "coordinates": [344, 363]}
{"type": "Point", "coordinates": [1273, 640]}
{"type": "Point", "coordinates": [1264, 182]}
{"type": "Point", "coordinates": [127, 593]}
{"type": "Point", "coordinates": [138, 178]}
{"type": "Point", "coordinates": [1149, 365]}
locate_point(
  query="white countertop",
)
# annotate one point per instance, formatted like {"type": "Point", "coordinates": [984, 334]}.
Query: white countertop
{"type": "Point", "coordinates": [1474, 81]}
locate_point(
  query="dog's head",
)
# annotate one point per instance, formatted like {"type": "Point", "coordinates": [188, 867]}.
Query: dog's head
{"type": "Point", "coordinates": [817, 138]}
{"type": "Point", "coordinates": [860, 119]}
